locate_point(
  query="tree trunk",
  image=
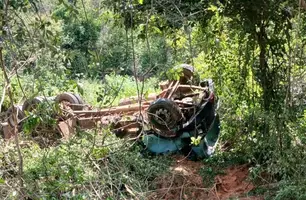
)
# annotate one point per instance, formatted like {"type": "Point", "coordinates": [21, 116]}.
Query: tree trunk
{"type": "Point", "coordinates": [264, 68]}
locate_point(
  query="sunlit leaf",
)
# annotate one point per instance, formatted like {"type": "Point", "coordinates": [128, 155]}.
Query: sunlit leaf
{"type": "Point", "coordinates": [213, 8]}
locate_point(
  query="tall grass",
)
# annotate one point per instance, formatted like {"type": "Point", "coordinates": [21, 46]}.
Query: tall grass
{"type": "Point", "coordinates": [115, 87]}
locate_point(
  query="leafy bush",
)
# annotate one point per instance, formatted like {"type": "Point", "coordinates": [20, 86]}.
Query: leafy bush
{"type": "Point", "coordinates": [78, 167]}
{"type": "Point", "coordinates": [289, 191]}
{"type": "Point", "coordinates": [88, 166]}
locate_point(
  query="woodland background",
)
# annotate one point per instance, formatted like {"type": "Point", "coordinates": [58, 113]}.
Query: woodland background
{"type": "Point", "coordinates": [253, 50]}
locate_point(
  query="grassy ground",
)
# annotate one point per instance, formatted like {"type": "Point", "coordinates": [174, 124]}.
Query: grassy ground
{"type": "Point", "coordinates": [91, 165]}
{"type": "Point", "coordinates": [114, 88]}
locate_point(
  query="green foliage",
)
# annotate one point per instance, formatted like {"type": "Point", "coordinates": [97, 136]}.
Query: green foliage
{"type": "Point", "coordinates": [195, 141]}
{"type": "Point", "coordinates": [79, 37]}
{"type": "Point", "coordinates": [77, 168]}
{"type": "Point", "coordinates": [113, 53]}
{"type": "Point", "coordinates": [53, 172]}
{"type": "Point", "coordinates": [156, 59]}
{"type": "Point", "coordinates": [290, 191]}
{"type": "Point", "coordinates": [253, 50]}
{"type": "Point", "coordinates": [41, 116]}
{"type": "Point", "coordinates": [116, 87]}
{"type": "Point", "coordinates": [174, 73]}
{"type": "Point", "coordinates": [63, 171]}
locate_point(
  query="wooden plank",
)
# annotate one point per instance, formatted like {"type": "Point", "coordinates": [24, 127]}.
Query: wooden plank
{"type": "Point", "coordinates": [174, 89]}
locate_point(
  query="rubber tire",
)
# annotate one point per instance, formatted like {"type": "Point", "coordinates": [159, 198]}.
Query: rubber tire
{"type": "Point", "coordinates": [71, 98]}
{"type": "Point", "coordinates": [188, 72]}
{"type": "Point", "coordinates": [172, 109]}
{"type": "Point", "coordinates": [81, 101]}
{"type": "Point", "coordinates": [29, 104]}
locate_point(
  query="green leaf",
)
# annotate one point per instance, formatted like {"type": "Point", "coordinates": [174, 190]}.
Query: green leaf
{"type": "Point", "coordinates": [140, 2]}
{"type": "Point", "coordinates": [146, 94]}
{"type": "Point", "coordinates": [195, 141]}
{"type": "Point", "coordinates": [2, 181]}
{"type": "Point", "coordinates": [213, 8]}
{"type": "Point", "coordinates": [49, 33]}
{"type": "Point", "coordinates": [157, 30]}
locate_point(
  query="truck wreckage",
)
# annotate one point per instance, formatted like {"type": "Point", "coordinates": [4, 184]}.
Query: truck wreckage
{"type": "Point", "coordinates": [182, 116]}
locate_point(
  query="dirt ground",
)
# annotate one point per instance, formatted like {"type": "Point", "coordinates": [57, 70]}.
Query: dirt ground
{"type": "Point", "coordinates": [185, 182]}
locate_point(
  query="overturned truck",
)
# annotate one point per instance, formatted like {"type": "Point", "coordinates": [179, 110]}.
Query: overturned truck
{"type": "Point", "coordinates": [182, 117]}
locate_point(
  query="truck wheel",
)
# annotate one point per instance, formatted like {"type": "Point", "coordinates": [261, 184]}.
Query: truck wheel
{"type": "Point", "coordinates": [164, 115]}
{"type": "Point", "coordinates": [187, 71]}
{"type": "Point", "coordinates": [81, 101]}
{"type": "Point", "coordinates": [30, 104]}
{"type": "Point", "coordinates": [70, 98]}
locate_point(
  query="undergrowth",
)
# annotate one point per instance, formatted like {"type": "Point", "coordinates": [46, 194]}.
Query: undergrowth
{"type": "Point", "coordinates": [88, 166]}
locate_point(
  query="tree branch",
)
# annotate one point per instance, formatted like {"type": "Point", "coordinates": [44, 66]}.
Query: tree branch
{"type": "Point", "coordinates": [10, 94]}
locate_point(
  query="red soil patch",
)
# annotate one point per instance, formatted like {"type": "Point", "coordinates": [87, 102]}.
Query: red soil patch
{"type": "Point", "coordinates": [185, 182]}
{"type": "Point", "coordinates": [234, 183]}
